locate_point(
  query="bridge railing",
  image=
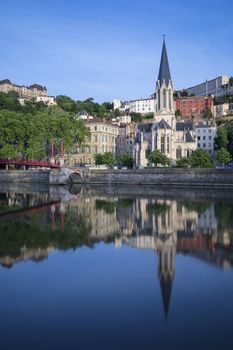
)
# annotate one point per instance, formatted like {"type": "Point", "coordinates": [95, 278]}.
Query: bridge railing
{"type": "Point", "coordinates": [29, 163]}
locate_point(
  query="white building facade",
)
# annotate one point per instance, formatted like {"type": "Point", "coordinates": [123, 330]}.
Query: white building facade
{"type": "Point", "coordinates": [143, 106]}
{"type": "Point", "coordinates": [206, 134]}
{"type": "Point", "coordinates": [213, 87]}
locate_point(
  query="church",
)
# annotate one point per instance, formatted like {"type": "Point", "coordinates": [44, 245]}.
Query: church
{"type": "Point", "coordinates": [173, 139]}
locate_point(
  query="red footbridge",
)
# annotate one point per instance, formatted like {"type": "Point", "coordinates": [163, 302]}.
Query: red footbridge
{"type": "Point", "coordinates": [28, 163]}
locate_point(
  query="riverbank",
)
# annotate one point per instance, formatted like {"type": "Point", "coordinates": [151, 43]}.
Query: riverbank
{"type": "Point", "coordinates": [167, 177]}
{"type": "Point", "coordinates": [157, 177]}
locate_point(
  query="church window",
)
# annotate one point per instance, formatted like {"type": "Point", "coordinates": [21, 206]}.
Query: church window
{"type": "Point", "coordinates": [168, 144]}
{"type": "Point", "coordinates": [170, 100]}
{"type": "Point", "coordinates": [156, 141]}
{"type": "Point", "coordinates": [178, 152]}
{"type": "Point", "coordinates": [163, 144]}
{"type": "Point", "coordinates": [164, 98]}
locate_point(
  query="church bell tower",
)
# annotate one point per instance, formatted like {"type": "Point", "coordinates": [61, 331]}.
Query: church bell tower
{"type": "Point", "coordinates": [164, 91]}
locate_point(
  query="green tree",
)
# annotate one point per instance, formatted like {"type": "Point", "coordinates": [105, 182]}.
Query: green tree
{"type": "Point", "coordinates": [208, 114]}
{"type": "Point", "coordinates": [183, 162]}
{"type": "Point", "coordinates": [223, 156]}
{"type": "Point", "coordinates": [98, 159]}
{"type": "Point", "coordinates": [178, 113]}
{"type": "Point", "coordinates": [149, 116]}
{"type": "Point", "coordinates": [116, 112]}
{"type": "Point", "coordinates": [157, 157]}
{"type": "Point", "coordinates": [126, 160]}
{"type": "Point", "coordinates": [28, 133]}
{"type": "Point", "coordinates": [66, 103]}
{"type": "Point", "coordinates": [201, 158]}
{"type": "Point", "coordinates": [229, 130]}
{"type": "Point", "coordinates": [136, 117]}
{"type": "Point", "coordinates": [109, 158]}
{"type": "Point", "coordinates": [221, 140]}
{"type": "Point", "coordinates": [8, 151]}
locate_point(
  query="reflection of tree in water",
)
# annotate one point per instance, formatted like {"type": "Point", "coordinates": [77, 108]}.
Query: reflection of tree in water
{"type": "Point", "coordinates": [224, 214]}
{"type": "Point", "coordinates": [35, 232]}
{"type": "Point", "coordinates": [125, 202]}
{"type": "Point", "coordinates": [157, 208]}
{"type": "Point", "coordinates": [198, 207]}
{"type": "Point", "coordinates": [106, 206]}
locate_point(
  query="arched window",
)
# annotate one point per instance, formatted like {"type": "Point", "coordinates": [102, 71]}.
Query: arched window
{"type": "Point", "coordinates": [163, 144]}
{"type": "Point", "coordinates": [164, 99]}
{"type": "Point", "coordinates": [170, 99]}
{"type": "Point", "coordinates": [168, 144]}
{"type": "Point", "coordinates": [178, 152]}
{"type": "Point", "coordinates": [156, 141]}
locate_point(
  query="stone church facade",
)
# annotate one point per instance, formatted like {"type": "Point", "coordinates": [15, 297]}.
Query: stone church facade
{"type": "Point", "coordinates": [173, 139]}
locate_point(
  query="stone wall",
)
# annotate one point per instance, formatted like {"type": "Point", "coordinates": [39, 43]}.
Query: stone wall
{"type": "Point", "coordinates": [158, 176]}
{"type": "Point", "coordinates": [24, 176]}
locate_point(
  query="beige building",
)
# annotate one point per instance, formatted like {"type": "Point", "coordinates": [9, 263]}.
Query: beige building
{"type": "Point", "coordinates": [103, 139]}
{"type": "Point", "coordinates": [25, 92]}
{"type": "Point", "coordinates": [220, 110]}
{"type": "Point", "coordinates": [47, 100]}
{"type": "Point", "coordinates": [125, 139]}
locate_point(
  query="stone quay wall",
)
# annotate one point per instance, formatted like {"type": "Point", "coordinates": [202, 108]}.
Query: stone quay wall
{"type": "Point", "coordinates": [158, 176]}
{"type": "Point", "coordinates": [24, 176]}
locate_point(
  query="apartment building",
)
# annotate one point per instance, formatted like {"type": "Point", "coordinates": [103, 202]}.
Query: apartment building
{"type": "Point", "coordinates": [194, 106]}
{"type": "Point", "coordinates": [103, 139]}
{"type": "Point", "coordinates": [142, 105]}
{"type": "Point", "coordinates": [205, 134]}
{"type": "Point", "coordinates": [125, 139]}
{"type": "Point", "coordinates": [210, 87]}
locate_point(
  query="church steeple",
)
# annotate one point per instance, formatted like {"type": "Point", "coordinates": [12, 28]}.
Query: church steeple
{"type": "Point", "coordinates": [164, 70]}
{"type": "Point", "coordinates": [164, 87]}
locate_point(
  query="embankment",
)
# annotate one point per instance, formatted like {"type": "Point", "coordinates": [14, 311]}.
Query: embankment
{"type": "Point", "coordinates": [158, 177]}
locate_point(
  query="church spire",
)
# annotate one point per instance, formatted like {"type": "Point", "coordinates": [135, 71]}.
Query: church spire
{"type": "Point", "coordinates": [164, 70]}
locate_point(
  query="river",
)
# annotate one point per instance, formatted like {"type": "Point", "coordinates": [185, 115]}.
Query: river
{"type": "Point", "coordinates": [115, 268]}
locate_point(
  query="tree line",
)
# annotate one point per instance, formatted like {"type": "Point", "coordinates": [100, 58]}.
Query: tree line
{"type": "Point", "coordinates": [27, 131]}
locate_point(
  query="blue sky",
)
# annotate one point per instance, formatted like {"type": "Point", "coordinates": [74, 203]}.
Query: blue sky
{"type": "Point", "coordinates": [111, 49]}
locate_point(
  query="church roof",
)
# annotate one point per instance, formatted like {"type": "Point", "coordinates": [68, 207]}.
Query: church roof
{"type": "Point", "coordinates": [145, 127]}
{"type": "Point", "coordinates": [162, 124]}
{"type": "Point", "coordinates": [164, 70]}
{"type": "Point", "coordinates": [182, 126]}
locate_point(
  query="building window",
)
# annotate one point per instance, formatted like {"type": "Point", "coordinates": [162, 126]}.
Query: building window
{"type": "Point", "coordinates": [178, 152]}
{"type": "Point", "coordinates": [168, 144]}
{"type": "Point", "coordinates": [164, 98]}
{"type": "Point", "coordinates": [203, 137]}
{"type": "Point", "coordinates": [210, 138]}
{"type": "Point", "coordinates": [163, 144]}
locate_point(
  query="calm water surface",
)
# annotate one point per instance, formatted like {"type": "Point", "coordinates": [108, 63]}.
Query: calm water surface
{"type": "Point", "coordinates": [87, 270]}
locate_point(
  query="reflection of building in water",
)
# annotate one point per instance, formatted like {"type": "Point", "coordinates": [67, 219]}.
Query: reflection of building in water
{"type": "Point", "coordinates": [26, 254]}
{"type": "Point", "coordinates": [100, 213]}
{"type": "Point", "coordinates": [164, 225]}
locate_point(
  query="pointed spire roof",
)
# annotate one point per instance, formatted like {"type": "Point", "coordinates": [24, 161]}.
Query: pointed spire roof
{"type": "Point", "coordinates": [164, 70]}
{"type": "Point", "coordinates": [166, 287]}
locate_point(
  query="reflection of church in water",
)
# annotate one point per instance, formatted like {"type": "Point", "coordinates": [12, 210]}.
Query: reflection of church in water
{"type": "Point", "coordinates": [162, 225]}
{"type": "Point", "coordinates": [166, 226]}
